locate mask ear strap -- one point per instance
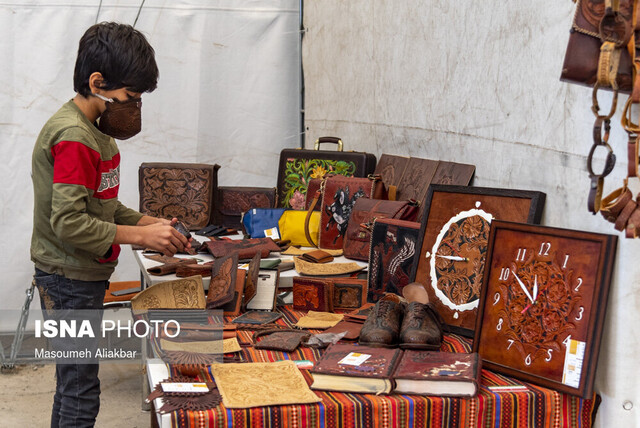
(103, 98)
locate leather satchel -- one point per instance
(365, 211)
(237, 200)
(337, 196)
(592, 25)
(184, 190)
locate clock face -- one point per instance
(542, 296)
(453, 242)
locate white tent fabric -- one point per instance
(228, 93)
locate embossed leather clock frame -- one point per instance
(453, 242)
(543, 304)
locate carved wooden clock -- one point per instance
(453, 238)
(543, 304)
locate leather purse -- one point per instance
(245, 248)
(187, 191)
(337, 195)
(365, 211)
(394, 245)
(234, 201)
(592, 25)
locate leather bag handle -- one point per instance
(332, 140)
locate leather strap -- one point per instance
(621, 221)
(307, 219)
(633, 224)
(597, 180)
(595, 194)
(613, 204)
(393, 192)
(608, 64)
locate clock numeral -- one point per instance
(566, 341)
(510, 343)
(521, 254)
(527, 360)
(579, 317)
(499, 326)
(504, 274)
(579, 284)
(544, 249)
(549, 351)
(496, 298)
(566, 259)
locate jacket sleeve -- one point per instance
(127, 216)
(75, 179)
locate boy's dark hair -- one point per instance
(121, 53)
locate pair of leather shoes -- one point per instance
(411, 325)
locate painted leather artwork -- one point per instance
(391, 256)
(453, 245)
(182, 190)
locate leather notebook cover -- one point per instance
(394, 245)
(380, 364)
(223, 281)
(312, 294)
(183, 190)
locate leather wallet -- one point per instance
(223, 281)
(312, 294)
(233, 308)
(317, 256)
(251, 281)
(257, 317)
(351, 328)
(279, 340)
(246, 248)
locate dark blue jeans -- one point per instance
(77, 398)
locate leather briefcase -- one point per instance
(298, 166)
(187, 191)
(394, 245)
(358, 237)
(583, 50)
(237, 200)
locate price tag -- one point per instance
(272, 233)
(354, 359)
(184, 387)
(573, 358)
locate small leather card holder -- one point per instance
(317, 256)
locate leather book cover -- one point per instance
(187, 191)
(438, 367)
(416, 178)
(237, 200)
(394, 245)
(312, 294)
(349, 359)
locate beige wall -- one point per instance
(477, 82)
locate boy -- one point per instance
(78, 220)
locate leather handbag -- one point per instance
(292, 227)
(337, 195)
(394, 245)
(234, 201)
(593, 24)
(257, 221)
(365, 211)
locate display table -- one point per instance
(525, 406)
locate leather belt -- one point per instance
(597, 180)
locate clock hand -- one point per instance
(535, 288)
(454, 258)
(524, 288)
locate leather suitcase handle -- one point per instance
(332, 140)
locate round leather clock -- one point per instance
(454, 234)
(543, 302)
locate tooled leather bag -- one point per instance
(337, 195)
(357, 240)
(593, 24)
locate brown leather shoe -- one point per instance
(382, 327)
(421, 327)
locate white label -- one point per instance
(184, 387)
(272, 233)
(573, 357)
(354, 359)
(244, 266)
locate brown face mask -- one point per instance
(121, 119)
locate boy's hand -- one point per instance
(164, 238)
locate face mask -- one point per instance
(121, 119)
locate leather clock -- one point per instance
(453, 245)
(543, 304)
